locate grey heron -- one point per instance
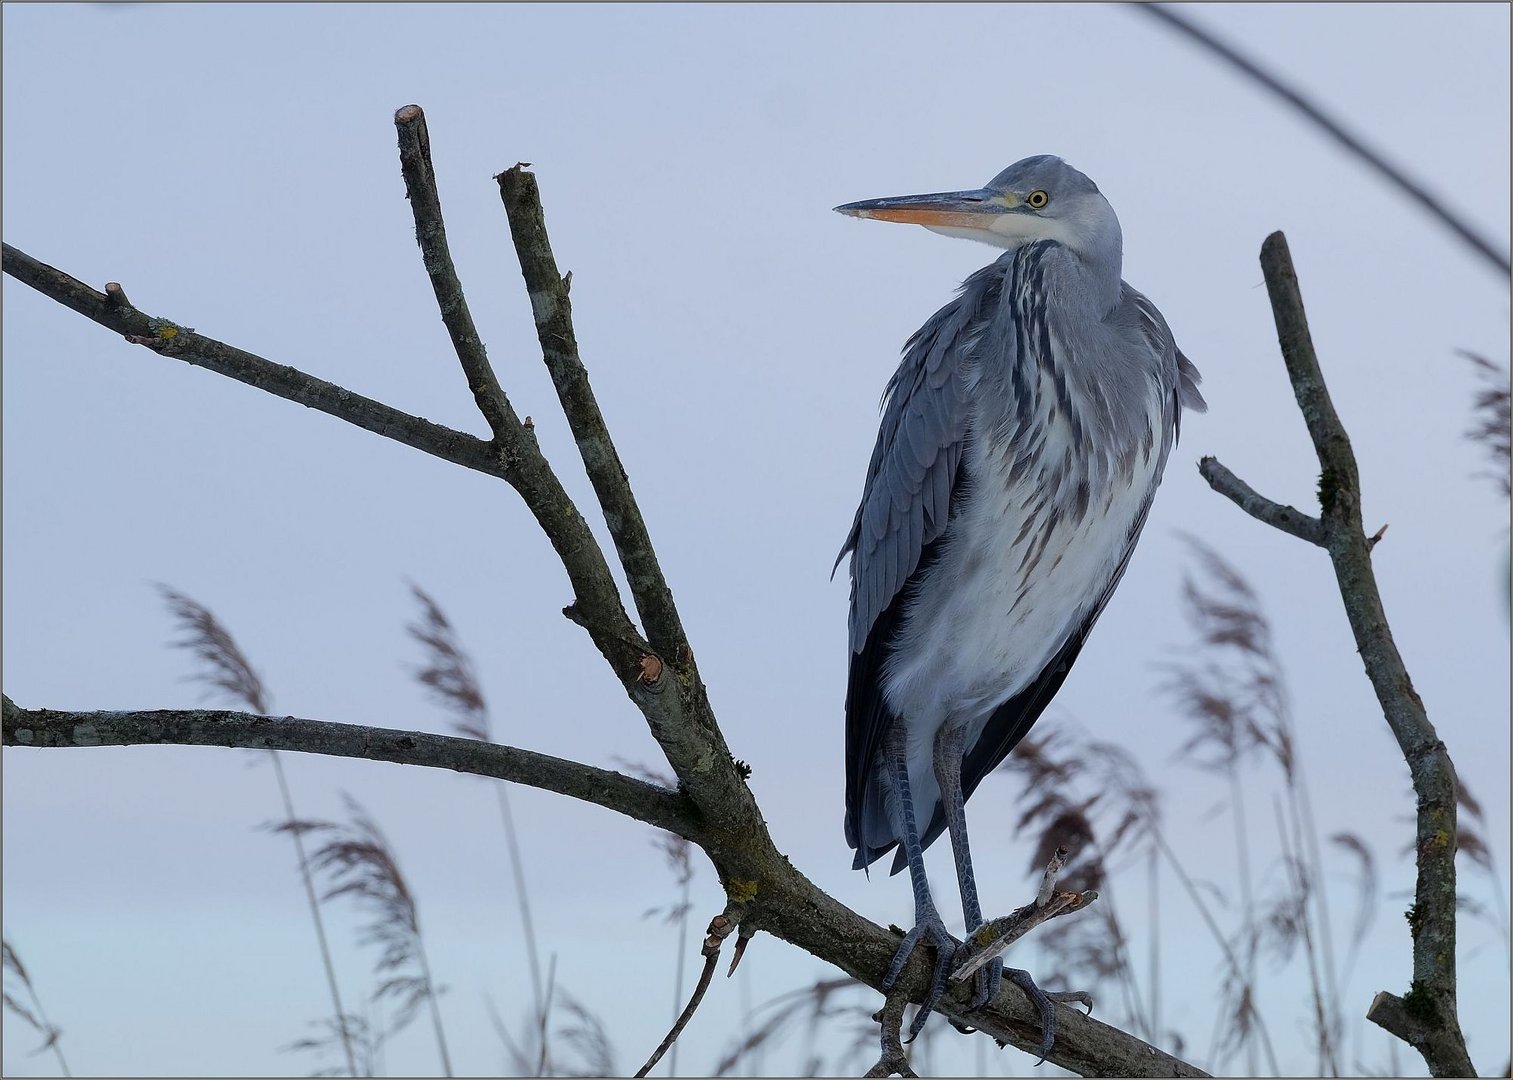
(1022, 439)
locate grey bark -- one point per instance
(1431, 1001)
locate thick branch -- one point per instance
(776, 897)
(431, 235)
(713, 807)
(553, 312)
(1436, 1033)
(1289, 519)
(626, 795)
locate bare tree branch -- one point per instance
(1431, 1001)
(776, 897)
(994, 936)
(1289, 519)
(431, 235)
(553, 312)
(696, 750)
(217, 727)
(111, 310)
(713, 806)
(719, 929)
(1334, 129)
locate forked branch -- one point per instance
(712, 807)
(1431, 1002)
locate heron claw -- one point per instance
(1045, 1004)
(930, 926)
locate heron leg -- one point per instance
(949, 748)
(928, 925)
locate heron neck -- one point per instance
(1082, 275)
(1101, 258)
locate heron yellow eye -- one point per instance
(1037, 200)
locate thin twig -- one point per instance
(719, 929)
(552, 308)
(180, 343)
(996, 935)
(1286, 518)
(1432, 997)
(431, 235)
(1336, 130)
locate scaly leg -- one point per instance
(927, 921)
(948, 753)
(947, 757)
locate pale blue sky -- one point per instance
(235, 168)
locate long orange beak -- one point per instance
(961, 209)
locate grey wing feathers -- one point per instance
(907, 496)
(906, 503)
(1188, 395)
(1160, 336)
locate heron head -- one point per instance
(1039, 198)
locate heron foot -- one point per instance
(1045, 1004)
(930, 927)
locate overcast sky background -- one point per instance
(235, 169)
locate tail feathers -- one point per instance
(875, 838)
(866, 856)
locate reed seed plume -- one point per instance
(1230, 683)
(1490, 418)
(448, 670)
(1368, 889)
(584, 1034)
(18, 982)
(359, 863)
(336, 1033)
(793, 1019)
(222, 666)
(1230, 687)
(1088, 796)
(224, 669)
(452, 682)
(1092, 799)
